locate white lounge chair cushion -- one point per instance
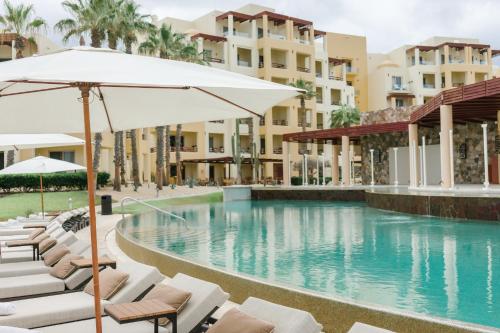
(205, 297)
(364, 328)
(79, 247)
(7, 309)
(141, 277)
(23, 268)
(16, 256)
(285, 319)
(29, 285)
(14, 231)
(51, 310)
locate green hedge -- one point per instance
(51, 182)
(297, 181)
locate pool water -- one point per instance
(439, 267)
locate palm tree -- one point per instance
(163, 42)
(307, 93)
(346, 116)
(21, 21)
(166, 179)
(253, 152)
(160, 162)
(178, 170)
(117, 161)
(87, 17)
(122, 159)
(135, 159)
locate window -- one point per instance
(396, 82)
(400, 103)
(442, 59)
(2, 161)
(67, 156)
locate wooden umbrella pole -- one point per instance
(41, 194)
(85, 89)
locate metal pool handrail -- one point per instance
(152, 207)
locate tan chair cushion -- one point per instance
(36, 232)
(41, 237)
(52, 256)
(110, 282)
(235, 321)
(63, 268)
(174, 297)
(46, 244)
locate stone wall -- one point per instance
(388, 115)
(467, 171)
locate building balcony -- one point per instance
(307, 124)
(214, 60)
(192, 149)
(319, 75)
(303, 69)
(278, 150)
(305, 151)
(302, 41)
(262, 121)
(336, 103)
(245, 150)
(319, 100)
(335, 78)
(277, 36)
(278, 65)
(398, 87)
(319, 126)
(216, 150)
(280, 122)
(244, 63)
(429, 86)
(262, 151)
(216, 121)
(352, 70)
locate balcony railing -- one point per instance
(184, 149)
(216, 150)
(336, 78)
(215, 60)
(457, 84)
(305, 151)
(261, 64)
(245, 150)
(319, 75)
(429, 86)
(303, 69)
(398, 87)
(262, 121)
(263, 151)
(319, 100)
(319, 126)
(336, 103)
(351, 69)
(277, 36)
(217, 121)
(278, 150)
(307, 124)
(280, 122)
(278, 65)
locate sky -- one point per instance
(387, 24)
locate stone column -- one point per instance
(335, 164)
(13, 54)
(346, 162)
(230, 25)
(417, 56)
(265, 28)
(413, 154)
(254, 29)
(286, 163)
(446, 120)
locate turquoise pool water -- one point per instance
(444, 268)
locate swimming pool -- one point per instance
(439, 267)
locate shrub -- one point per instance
(297, 181)
(51, 182)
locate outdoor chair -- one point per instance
(206, 298)
(63, 308)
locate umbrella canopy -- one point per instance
(86, 89)
(179, 92)
(40, 165)
(28, 141)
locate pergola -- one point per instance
(227, 160)
(478, 102)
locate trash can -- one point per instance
(106, 205)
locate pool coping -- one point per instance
(336, 314)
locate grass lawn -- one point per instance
(20, 204)
(137, 208)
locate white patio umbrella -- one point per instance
(28, 141)
(83, 89)
(40, 165)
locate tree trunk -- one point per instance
(116, 161)
(128, 45)
(97, 156)
(10, 157)
(135, 160)
(253, 152)
(112, 41)
(159, 156)
(237, 152)
(166, 180)
(304, 115)
(123, 154)
(178, 153)
(95, 38)
(82, 41)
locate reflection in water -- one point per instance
(425, 265)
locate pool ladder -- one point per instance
(152, 207)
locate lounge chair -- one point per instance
(37, 267)
(66, 238)
(57, 309)
(205, 298)
(285, 319)
(364, 328)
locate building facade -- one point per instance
(413, 74)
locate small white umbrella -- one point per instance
(116, 91)
(41, 165)
(28, 141)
